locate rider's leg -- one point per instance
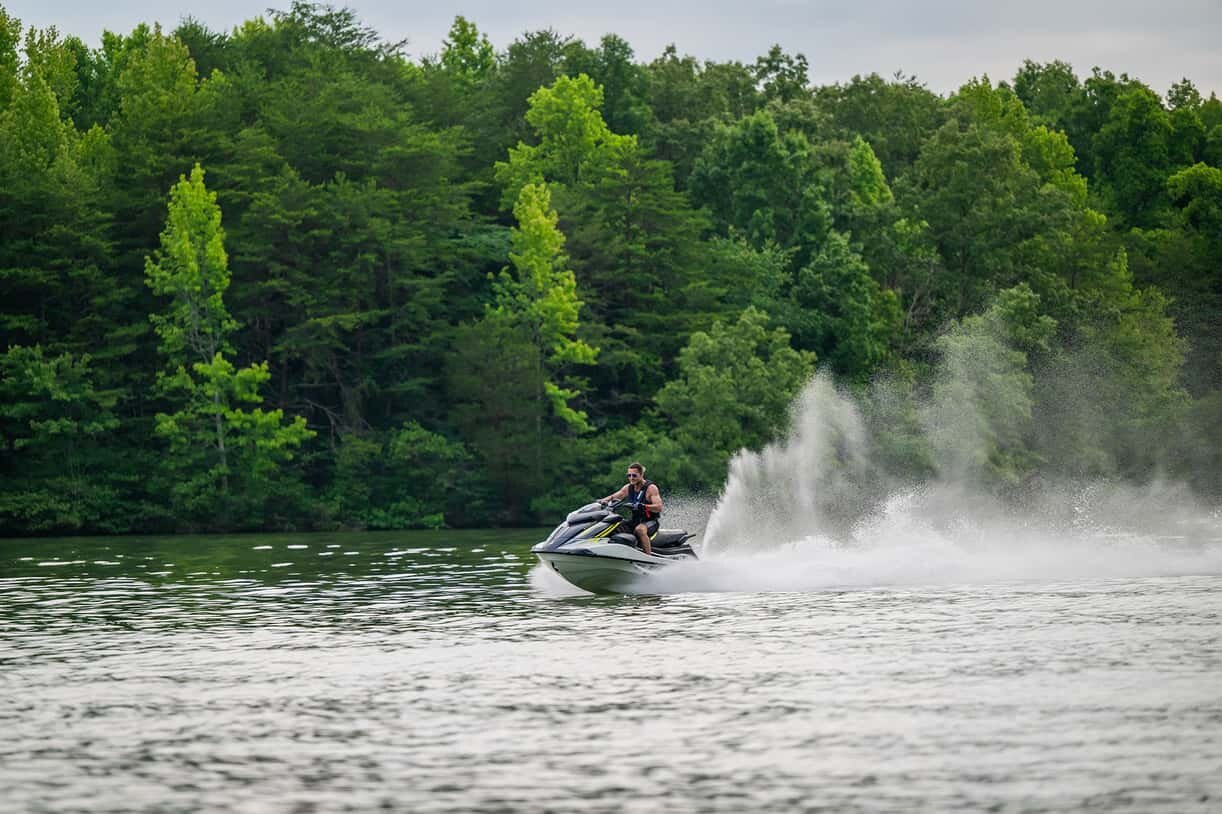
(642, 536)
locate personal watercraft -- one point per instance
(595, 551)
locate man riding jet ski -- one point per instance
(596, 550)
(646, 501)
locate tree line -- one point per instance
(287, 277)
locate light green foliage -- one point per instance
(734, 389)
(543, 292)
(10, 37)
(192, 269)
(1045, 151)
(226, 461)
(867, 185)
(575, 145)
(466, 53)
(542, 297)
(225, 458)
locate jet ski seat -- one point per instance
(668, 537)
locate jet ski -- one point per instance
(593, 551)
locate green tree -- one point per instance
(894, 116)
(10, 39)
(1184, 259)
(611, 68)
(408, 477)
(637, 254)
(688, 100)
(782, 76)
(979, 417)
(841, 313)
(765, 184)
(55, 247)
(224, 459)
(495, 388)
(542, 297)
(466, 54)
(868, 187)
(1109, 404)
(575, 144)
(734, 389)
(1051, 91)
(1132, 152)
(55, 423)
(1002, 205)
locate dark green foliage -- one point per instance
(841, 313)
(764, 183)
(1032, 268)
(55, 419)
(895, 117)
(734, 389)
(404, 478)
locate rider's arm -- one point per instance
(654, 496)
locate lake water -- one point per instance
(440, 672)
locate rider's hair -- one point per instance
(637, 467)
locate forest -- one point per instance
(287, 277)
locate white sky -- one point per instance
(943, 42)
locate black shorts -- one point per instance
(651, 526)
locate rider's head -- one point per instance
(636, 472)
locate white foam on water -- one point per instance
(813, 511)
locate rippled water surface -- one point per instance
(435, 672)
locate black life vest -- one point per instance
(641, 511)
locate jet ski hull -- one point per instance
(596, 573)
(590, 552)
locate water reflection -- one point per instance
(429, 672)
(316, 581)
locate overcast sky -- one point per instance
(942, 42)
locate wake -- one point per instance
(820, 509)
(899, 548)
